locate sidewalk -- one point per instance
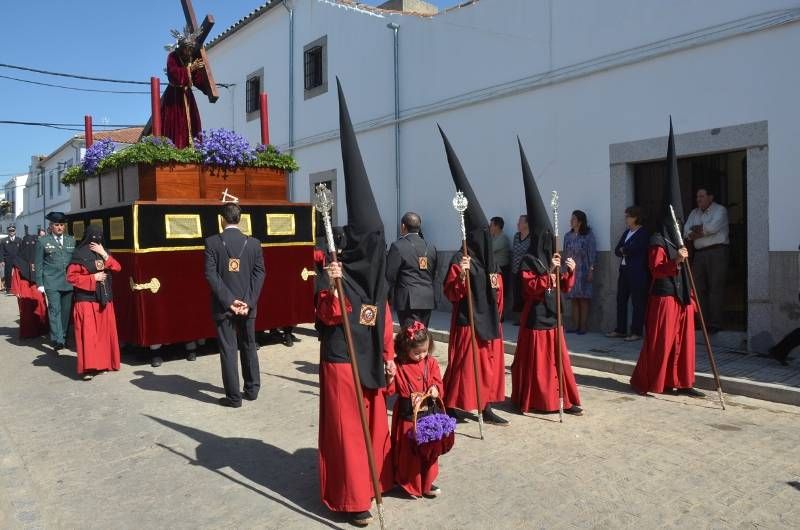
(741, 373)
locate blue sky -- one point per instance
(112, 39)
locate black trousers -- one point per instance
(631, 285)
(788, 343)
(710, 268)
(238, 334)
(406, 316)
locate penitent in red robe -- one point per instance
(95, 326)
(666, 360)
(459, 377)
(345, 482)
(180, 119)
(410, 472)
(32, 307)
(534, 373)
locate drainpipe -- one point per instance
(291, 92)
(395, 29)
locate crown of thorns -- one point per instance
(182, 38)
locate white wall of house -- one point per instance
(13, 191)
(43, 191)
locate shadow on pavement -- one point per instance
(293, 379)
(306, 367)
(604, 383)
(61, 364)
(176, 385)
(292, 476)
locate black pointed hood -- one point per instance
(363, 258)
(540, 250)
(479, 246)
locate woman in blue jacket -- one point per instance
(633, 275)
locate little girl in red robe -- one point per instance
(417, 373)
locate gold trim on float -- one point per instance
(305, 274)
(116, 228)
(75, 233)
(245, 225)
(182, 232)
(280, 224)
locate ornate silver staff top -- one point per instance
(460, 204)
(323, 202)
(678, 233)
(554, 206)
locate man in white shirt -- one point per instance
(707, 228)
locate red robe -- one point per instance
(410, 472)
(666, 360)
(180, 119)
(345, 482)
(459, 377)
(95, 326)
(32, 307)
(534, 372)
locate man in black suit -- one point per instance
(235, 272)
(9, 248)
(410, 270)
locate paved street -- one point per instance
(149, 448)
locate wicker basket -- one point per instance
(430, 410)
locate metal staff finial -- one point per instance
(554, 206)
(460, 203)
(323, 203)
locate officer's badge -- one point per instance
(233, 264)
(494, 280)
(368, 316)
(423, 263)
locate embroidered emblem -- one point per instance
(233, 264)
(368, 315)
(99, 264)
(423, 263)
(33, 267)
(494, 280)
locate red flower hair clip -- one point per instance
(413, 329)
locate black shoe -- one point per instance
(361, 518)
(191, 355)
(59, 346)
(575, 410)
(490, 417)
(691, 392)
(156, 361)
(434, 492)
(779, 356)
(288, 340)
(457, 415)
(248, 396)
(226, 402)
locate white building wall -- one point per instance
(566, 127)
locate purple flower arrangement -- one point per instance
(95, 154)
(223, 148)
(158, 141)
(432, 428)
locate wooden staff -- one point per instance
(559, 345)
(711, 360)
(460, 203)
(323, 203)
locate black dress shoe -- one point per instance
(59, 346)
(191, 355)
(490, 417)
(361, 518)
(691, 392)
(288, 340)
(156, 361)
(249, 397)
(575, 410)
(227, 402)
(457, 415)
(778, 355)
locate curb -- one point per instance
(734, 386)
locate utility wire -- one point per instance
(84, 77)
(61, 125)
(74, 88)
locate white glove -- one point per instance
(41, 289)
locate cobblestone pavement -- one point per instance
(150, 448)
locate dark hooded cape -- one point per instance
(25, 258)
(479, 248)
(540, 250)
(363, 259)
(668, 237)
(93, 262)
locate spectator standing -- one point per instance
(633, 276)
(501, 247)
(9, 248)
(707, 228)
(580, 245)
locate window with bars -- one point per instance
(315, 67)
(253, 89)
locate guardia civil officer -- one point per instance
(52, 255)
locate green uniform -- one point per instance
(51, 260)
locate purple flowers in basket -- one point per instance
(158, 141)
(95, 154)
(223, 148)
(433, 427)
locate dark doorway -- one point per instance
(726, 174)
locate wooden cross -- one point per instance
(199, 51)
